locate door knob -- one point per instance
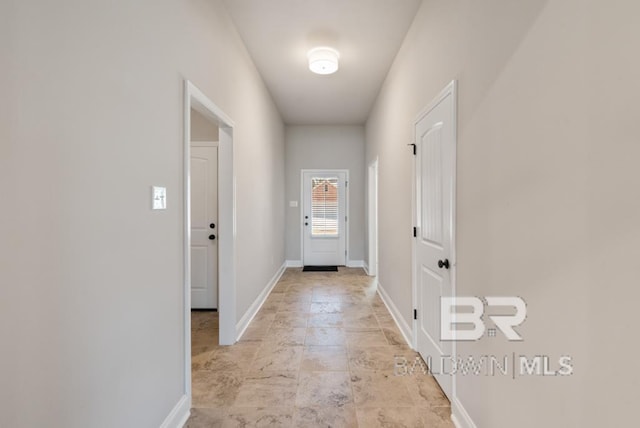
(443, 264)
(212, 237)
(306, 224)
(212, 225)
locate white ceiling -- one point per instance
(367, 33)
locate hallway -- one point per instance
(320, 353)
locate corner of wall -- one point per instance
(355, 263)
(179, 414)
(248, 316)
(405, 329)
(459, 415)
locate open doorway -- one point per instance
(372, 265)
(204, 216)
(218, 260)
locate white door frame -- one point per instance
(346, 208)
(372, 265)
(450, 89)
(197, 100)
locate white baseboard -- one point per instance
(406, 331)
(355, 263)
(179, 414)
(244, 322)
(350, 263)
(365, 266)
(459, 415)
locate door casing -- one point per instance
(196, 99)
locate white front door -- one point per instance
(324, 218)
(204, 228)
(435, 169)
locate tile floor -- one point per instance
(320, 353)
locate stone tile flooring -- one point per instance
(320, 353)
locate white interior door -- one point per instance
(204, 230)
(435, 169)
(324, 218)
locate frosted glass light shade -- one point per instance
(323, 60)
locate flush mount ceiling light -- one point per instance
(323, 60)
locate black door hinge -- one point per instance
(415, 314)
(414, 148)
(415, 232)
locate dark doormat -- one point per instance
(320, 269)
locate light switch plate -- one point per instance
(293, 204)
(158, 198)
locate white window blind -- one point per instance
(324, 206)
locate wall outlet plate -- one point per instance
(158, 198)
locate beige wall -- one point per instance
(202, 129)
(91, 312)
(547, 199)
(325, 147)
